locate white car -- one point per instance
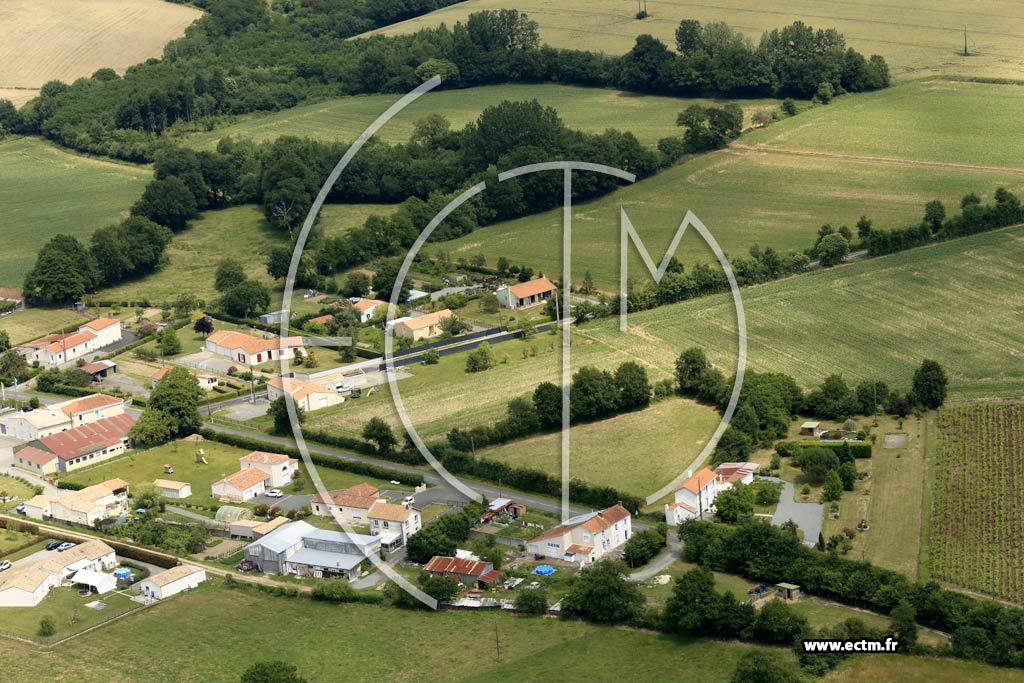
(5, 565)
(274, 493)
(408, 500)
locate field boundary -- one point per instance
(894, 161)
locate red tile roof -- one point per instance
(532, 288)
(84, 405)
(12, 294)
(71, 341)
(88, 438)
(599, 522)
(101, 323)
(34, 455)
(699, 481)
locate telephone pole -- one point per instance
(965, 41)
(497, 644)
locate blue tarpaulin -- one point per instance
(544, 570)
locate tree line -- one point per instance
(768, 400)
(238, 59)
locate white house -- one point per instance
(173, 581)
(693, 498)
(58, 349)
(241, 486)
(368, 308)
(307, 395)
(75, 448)
(97, 502)
(394, 524)
(25, 587)
(248, 350)
(585, 538)
(352, 505)
(277, 469)
(59, 417)
(526, 294)
(82, 564)
(173, 489)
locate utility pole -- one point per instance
(965, 40)
(497, 644)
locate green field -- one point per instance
(637, 452)
(45, 191)
(68, 611)
(213, 634)
(240, 232)
(142, 467)
(591, 110)
(32, 323)
(958, 303)
(776, 186)
(916, 37)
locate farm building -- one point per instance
(303, 550)
(503, 508)
(75, 448)
(173, 489)
(59, 417)
(249, 350)
(272, 318)
(353, 504)
(810, 429)
(693, 498)
(307, 395)
(99, 369)
(787, 591)
(93, 503)
(173, 581)
(585, 538)
(423, 327)
(278, 469)
(526, 294)
(15, 297)
(473, 573)
(58, 349)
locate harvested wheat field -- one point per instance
(68, 39)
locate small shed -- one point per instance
(810, 429)
(99, 369)
(271, 318)
(787, 591)
(173, 489)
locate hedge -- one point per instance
(860, 450)
(70, 485)
(330, 462)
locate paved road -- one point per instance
(806, 515)
(661, 562)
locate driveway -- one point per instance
(662, 560)
(806, 515)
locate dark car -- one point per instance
(52, 545)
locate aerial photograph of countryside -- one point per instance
(465, 341)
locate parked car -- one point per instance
(274, 493)
(20, 509)
(408, 500)
(5, 565)
(52, 545)
(65, 546)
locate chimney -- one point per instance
(689, 473)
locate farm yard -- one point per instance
(867, 320)
(591, 110)
(67, 39)
(977, 516)
(45, 191)
(916, 37)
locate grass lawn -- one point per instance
(15, 489)
(915, 37)
(591, 110)
(239, 232)
(958, 303)
(68, 611)
(45, 191)
(32, 323)
(142, 467)
(12, 541)
(637, 452)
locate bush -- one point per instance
(47, 627)
(333, 590)
(533, 601)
